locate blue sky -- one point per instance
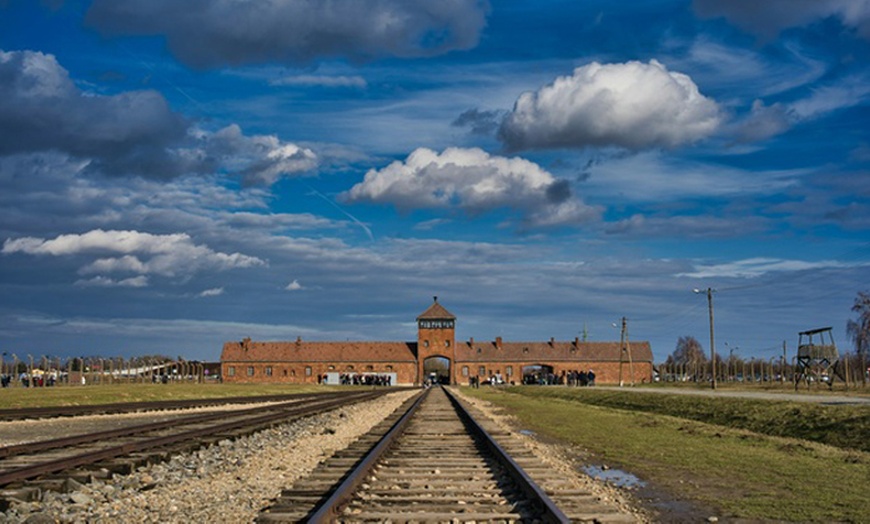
(176, 175)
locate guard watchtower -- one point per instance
(436, 338)
(817, 361)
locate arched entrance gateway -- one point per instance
(436, 370)
(435, 342)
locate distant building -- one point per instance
(435, 355)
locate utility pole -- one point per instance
(709, 292)
(625, 351)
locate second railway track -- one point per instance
(26, 469)
(434, 462)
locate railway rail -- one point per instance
(435, 460)
(26, 469)
(132, 407)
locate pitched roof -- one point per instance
(436, 312)
(474, 351)
(303, 351)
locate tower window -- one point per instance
(447, 343)
(425, 343)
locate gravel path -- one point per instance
(818, 398)
(228, 482)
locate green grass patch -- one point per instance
(743, 473)
(109, 394)
(844, 426)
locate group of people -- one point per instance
(346, 379)
(570, 378)
(26, 380)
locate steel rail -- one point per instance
(126, 407)
(44, 445)
(52, 466)
(330, 508)
(551, 512)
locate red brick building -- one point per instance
(436, 351)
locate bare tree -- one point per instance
(859, 330)
(688, 351)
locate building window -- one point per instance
(331, 368)
(268, 371)
(285, 372)
(292, 372)
(370, 368)
(250, 371)
(525, 350)
(349, 368)
(231, 371)
(425, 343)
(481, 371)
(307, 371)
(464, 371)
(478, 351)
(447, 343)
(509, 370)
(389, 368)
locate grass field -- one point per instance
(696, 449)
(107, 394)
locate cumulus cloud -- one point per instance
(140, 253)
(768, 18)
(205, 33)
(632, 105)
(133, 133)
(476, 182)
(293, 286)
(259, 159)
(213, 292)
(41, 109)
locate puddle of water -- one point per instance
(616, 477)
(527, 432)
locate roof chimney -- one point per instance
(298, 341)
(471, 341)
(435, 298)
(576, 341)
(552, 341)
(498, 342)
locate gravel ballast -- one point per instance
(227, 482)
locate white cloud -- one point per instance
(656, 177)
(294, 286)
(170, 255)
(756, 267)
(631, 105)
(258, 159)
(474, 181)
(101, 281)
(213, 292)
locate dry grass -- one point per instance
(745, 474)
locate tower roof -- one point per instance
(436, 312)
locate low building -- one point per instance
(435, 355)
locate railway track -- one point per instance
(434, 460)
(27, 469)
(132, 407)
